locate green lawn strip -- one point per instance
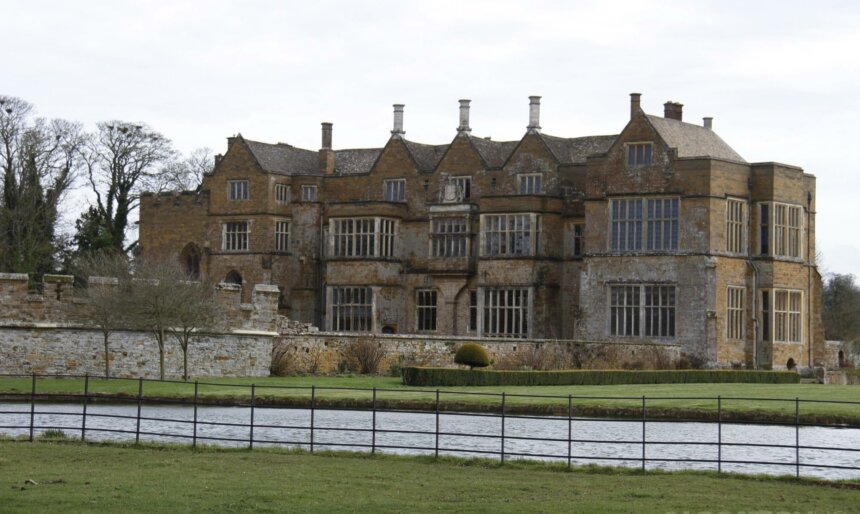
(76, 477)
(679, 400)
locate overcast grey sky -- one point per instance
(781, 79)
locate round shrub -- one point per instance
(472, 355)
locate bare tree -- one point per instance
(39, 161)
(155, 300)
(196, 310)
(108, 290)
(186, 174)
(123, 160)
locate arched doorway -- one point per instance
(233, 278)
(791, 365)
(841, 359)
(189, 258)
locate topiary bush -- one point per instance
(472, 355)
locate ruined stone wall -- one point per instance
(79, 351)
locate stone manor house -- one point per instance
(659, 234)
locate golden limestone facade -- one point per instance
(660, 234)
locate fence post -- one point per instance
(797, 437)
(643, 433)
(84, 417)
(32, 407)
(194, 440)
(569, 427)
(313, 406)
(503, 427)
(139, 404)
(719, 434)
(373, 429)
(251, 431)
(437, 424)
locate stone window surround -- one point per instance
(238, 190)
(631, 150)
(335, 324)
(530, 183)
(426, 313)
(769, 315)
(282, 237)
(247, 232)
(309, 192)
(533, 235)
(394, 190)
(528, 316)
(642, 309)
(282, 193)
(379, 242)
(772, 233)
(736, 322)
(441, 241)
(737, 244)
(645, 221)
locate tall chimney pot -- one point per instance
(398, 121)
(708, 122)
(464, 117)
(326, 136)
(635, 107)
(673, 111)
(534, 114)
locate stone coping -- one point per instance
(62, 326)
(442, 339)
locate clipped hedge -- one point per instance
(437, 377)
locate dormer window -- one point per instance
(531, 183)
(237, 189)
(639, 154)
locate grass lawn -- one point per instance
(74, 477)
(695, 400)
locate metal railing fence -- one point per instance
(432, 407)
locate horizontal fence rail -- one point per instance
(494, 433)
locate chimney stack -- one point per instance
(398, 121)
(464, 117)
(534, 114)
(326, 154)
(635, 104)
(708, 122)
(673, 111)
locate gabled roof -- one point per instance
(576, 149)
(286, 159)
(693, 140)
(494, 153)
(426, 157)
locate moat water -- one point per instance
(612, 443)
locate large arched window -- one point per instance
(233, 278)
(190, 261)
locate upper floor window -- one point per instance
(781, 226)
(282, 193)
(449, 237)
(509, 234)
(425, 310)
(579, 240)
(362, 237)
(282, 236)
(639, 154)
(309, 193)
(531, 183)
(235, 236)
(736, 226)
(237, 189)
(657, 217)
(464, 186)
(394, 190)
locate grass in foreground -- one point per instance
(74, 477)
(690, 394)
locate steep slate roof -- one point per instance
(288, 160)
(693, 140)
(575, 150)
(285, 159)
(427, 157)
(494, 153)
(355, 161)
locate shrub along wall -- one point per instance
(436, 377)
